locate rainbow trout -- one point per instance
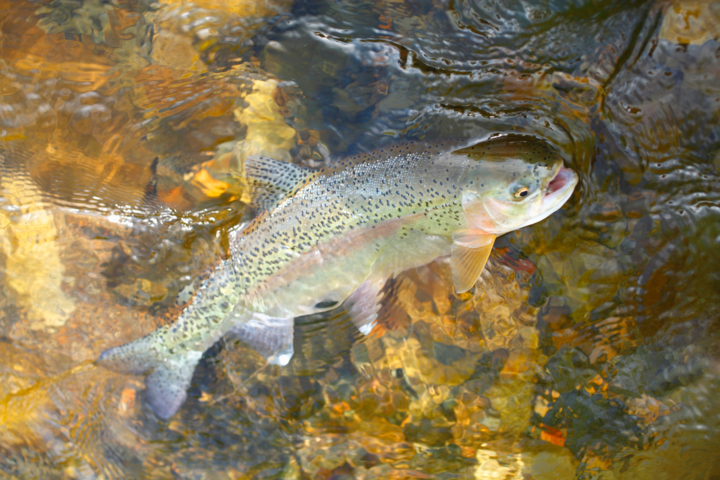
(334, 236)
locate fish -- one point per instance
(334, 236)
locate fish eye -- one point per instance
(521, 192)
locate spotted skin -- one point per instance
(321, 235)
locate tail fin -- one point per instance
(170, 372)
(166, 387)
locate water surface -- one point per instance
(587, 350)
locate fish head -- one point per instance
(511, 182)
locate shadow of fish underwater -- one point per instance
(334, 236)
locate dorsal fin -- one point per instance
(272, 181)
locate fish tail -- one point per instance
(168, 373)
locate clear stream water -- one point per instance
(587, 350)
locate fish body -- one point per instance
(334, 236)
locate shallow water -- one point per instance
(587, 350)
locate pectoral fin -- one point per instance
(468, 258)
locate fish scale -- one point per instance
(321, 235)
(328, 207)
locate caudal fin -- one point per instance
(166, 387)
(169, 374)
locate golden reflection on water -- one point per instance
(586, 349)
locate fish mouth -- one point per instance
(564, 181)
(557, 192)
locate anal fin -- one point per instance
(272, 337)
(363, 305)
